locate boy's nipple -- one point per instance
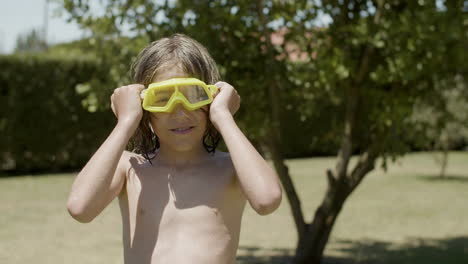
(141, 211)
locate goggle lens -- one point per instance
(162, 96)
(194, 93)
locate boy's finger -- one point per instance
(137, 85)
(113, 109)
(220, 85)
(217, 93)
(143, 93)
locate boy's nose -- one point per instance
(180, 110)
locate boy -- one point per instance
(180, 201)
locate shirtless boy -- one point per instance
(180, 201)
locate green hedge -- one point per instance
(43, 125)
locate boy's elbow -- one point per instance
(270, 204)
(78, 213)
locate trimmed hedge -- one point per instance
(45, 128)
(43, 125)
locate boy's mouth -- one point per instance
(183, 130)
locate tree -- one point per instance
(443, 126)
(355, 86)
(33, 41)
(383, 57)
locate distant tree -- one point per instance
(2, 44)
(33, 41)
(443, 126)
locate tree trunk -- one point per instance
(444, 162)
(312, 244)
(288, 186)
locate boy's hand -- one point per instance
(126, 104)
(226, 101)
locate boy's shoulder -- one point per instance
(223, 162)
(222, 159)
(129, 158)
(222, 155)
(127, 155)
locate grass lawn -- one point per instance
(407, 215)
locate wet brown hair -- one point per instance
(176, 50)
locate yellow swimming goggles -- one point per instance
(163, 96)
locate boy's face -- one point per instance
(181, 129)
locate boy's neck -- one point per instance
(179, 159)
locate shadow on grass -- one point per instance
(257, 255)
(13, 174)
(446, 178)
(413, 251)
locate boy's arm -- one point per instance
(256, 178)
(103, 177)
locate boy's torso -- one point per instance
(190, 215)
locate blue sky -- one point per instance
(21, 16)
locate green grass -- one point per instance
(406, 215)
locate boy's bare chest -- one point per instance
(164, 210)
(171, 195)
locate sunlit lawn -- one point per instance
(406, 215)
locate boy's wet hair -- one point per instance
(176, 50)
